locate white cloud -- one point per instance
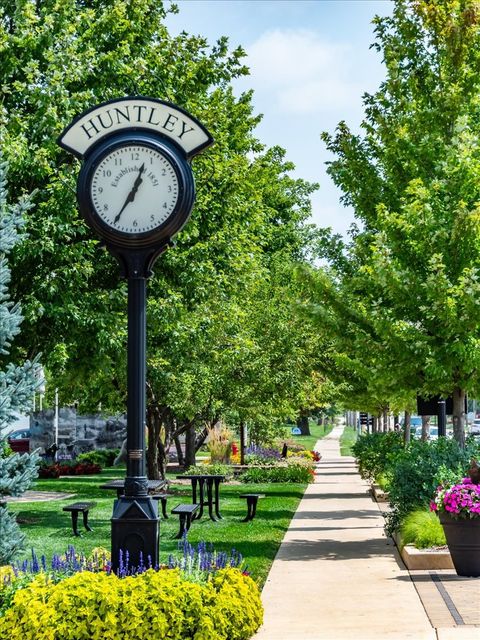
(301, 72)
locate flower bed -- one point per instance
(203, 596)
(292, 469)
(72, 469)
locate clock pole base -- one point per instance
(135, 533)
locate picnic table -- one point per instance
(153, 486)
(208, 486)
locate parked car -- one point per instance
(432, 433)
(475, 427)
(19, 440)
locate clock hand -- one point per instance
(131, 195)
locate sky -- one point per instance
(310, 63)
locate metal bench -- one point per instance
(252, 499)
(186, 513)
(75, 509)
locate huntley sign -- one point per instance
(112, 117)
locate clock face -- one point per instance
(134, 188)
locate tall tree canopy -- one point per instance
(411, 274)
(60, 57)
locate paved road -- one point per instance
(336, 576)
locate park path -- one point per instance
(336, 576)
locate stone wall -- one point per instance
(76, 433)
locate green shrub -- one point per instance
(102, 457)
(216, 469)
(154, 604)
(298, 470)
(422, 529)
(414, 475)
(376, 452)
(383, 480)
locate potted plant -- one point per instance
(458, 507)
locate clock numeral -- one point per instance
(164, 172)
(135, 223)
(118, 162)
(107, 173)
(100, 189)
(169, 188)
(152, 218)
(105, 207)
(165, 205)
(135, 156)
(151, 160)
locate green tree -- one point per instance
(17, 382)
(60, 57)
(412, 176)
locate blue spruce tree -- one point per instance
(17, 382)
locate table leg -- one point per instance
(217, 499)
(164, 508)
(201, 485)
(85, 521)
(210, 498)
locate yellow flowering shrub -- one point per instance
(309, 455)
(155, 605)
(6, 575)
(98, 554)
(237, 608)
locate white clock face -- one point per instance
(134, 189)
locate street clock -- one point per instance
(135, 189)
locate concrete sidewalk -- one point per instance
(336, 576)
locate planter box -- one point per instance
(429, 559)
(378, 493)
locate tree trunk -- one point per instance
(374, 424)
(153, 426)
(459, 416)
(406, 428)
(302, 424)
(162, 458)
(178, 447)
(200, 438)
(242, 442)
(190, 446)
(396, 422)
(425, 427)
(385, 420)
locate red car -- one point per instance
(19, 441)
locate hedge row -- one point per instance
(412, 472)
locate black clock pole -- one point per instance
(136, 481)
(135, 521)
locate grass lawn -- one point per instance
(347, 440)
(317, 433)
(49, 530)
